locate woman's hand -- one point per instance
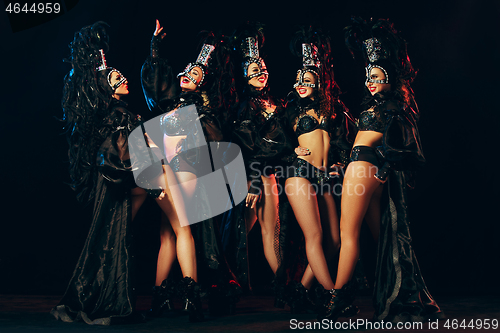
(159, 29)
(381, 181)
(162, 194)
(336, 169)
(301, 151)
(252, 200)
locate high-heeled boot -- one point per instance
(279, 289)
(336, 302)
(191, 299)
(298, 298)
(161, 302)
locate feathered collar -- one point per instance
(380, 98)
(118, 102)
(191, 97)
(304, 104)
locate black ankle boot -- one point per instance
(337, 301)
(191, 299)
(279, 289)
(298, 298)
(161, 302)
(222, 298)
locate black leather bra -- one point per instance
(307, 123)
(371, 121)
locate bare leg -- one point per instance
(308, 278)
(302, 198)
(250, 216)
(359, 186)
(167, 253)
(185, 247)
(331, 233)
(372, 216)
(267, 214)
(138, 197)
(330, 223)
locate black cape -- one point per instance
(101, 290)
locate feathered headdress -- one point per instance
(202, 62)
(381, 46)
(313, 46)
(248, 41)
(86, 97)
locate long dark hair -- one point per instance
(220, 86)
(85, 102)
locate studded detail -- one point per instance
(301, 83)
(201, 62)
(368, 70)
(374, 50)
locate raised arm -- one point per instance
(158, 81)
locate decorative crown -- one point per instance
(251, 49)
(310, 55)
(374, 50)
(103, 61)
(205, 54)
(202, 60)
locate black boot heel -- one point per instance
(191, 299)
(279, 288)
(337, 300)
(299, 300)
(161, 302)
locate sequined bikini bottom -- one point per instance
(303, 169)
(179, 164)
(365, 153)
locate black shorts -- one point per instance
(179, 164)
(303, 169)
(366, 154)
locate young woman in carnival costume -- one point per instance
(205, 84)
(98, 125)
(258, 128)
(324, 131)
(386, 151)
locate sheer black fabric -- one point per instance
(400, 293)
(266, 143)
(401, 148)
(265, 139)
(101, 290)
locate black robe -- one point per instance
(101, 290)
(400, 293)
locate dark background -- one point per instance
(454, 44)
